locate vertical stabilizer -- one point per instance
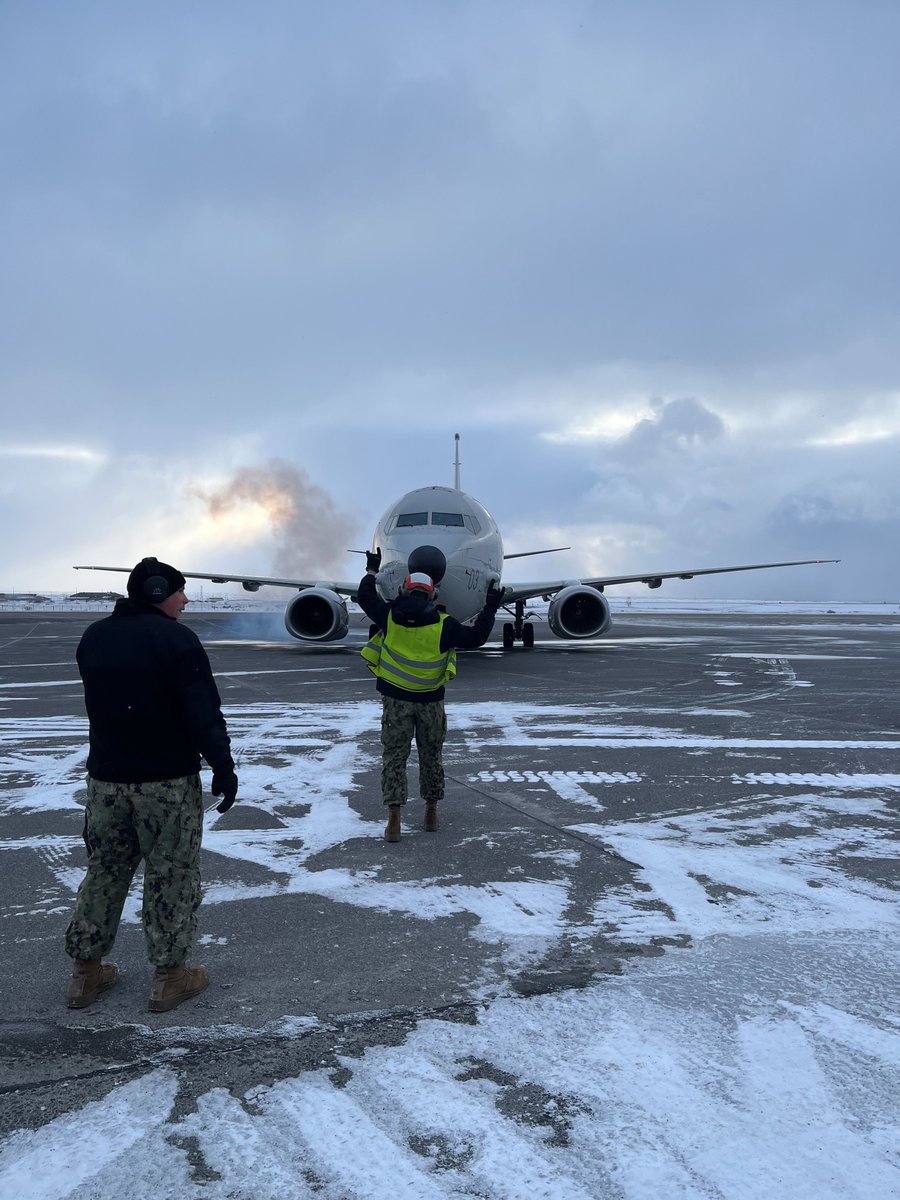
(456, 463)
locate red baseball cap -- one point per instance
(418, 581)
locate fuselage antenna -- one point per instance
(456, 463)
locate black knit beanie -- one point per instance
(154, 581)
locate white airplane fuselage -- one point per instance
(449, 536)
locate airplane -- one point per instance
(454, 539)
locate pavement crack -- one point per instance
(533, 812)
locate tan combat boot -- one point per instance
(431, 817)
(173, 985)
(392, 829)
(90, 977)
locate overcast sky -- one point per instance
(643, 258)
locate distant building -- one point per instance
(96, 597)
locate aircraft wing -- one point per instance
(653, 579)
(251, 583)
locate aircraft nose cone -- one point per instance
(429, 559)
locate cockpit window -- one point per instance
(454, 520)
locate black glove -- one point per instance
(494, 597)
(373, 560)
(225, 784)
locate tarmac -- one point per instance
(664, 716)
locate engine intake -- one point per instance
(578, 611)
(317, 614)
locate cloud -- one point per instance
(642, 259)
(676, 425)
(878, 421)
(71, 454)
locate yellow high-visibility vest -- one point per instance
(410, 656)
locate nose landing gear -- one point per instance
(518, 630)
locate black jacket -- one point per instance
(151, 699)
(417, 609)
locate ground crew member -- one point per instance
(153, 709)
(412, 654)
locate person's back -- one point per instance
(153, 709)
(412, 656)
(150, 696)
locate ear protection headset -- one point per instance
(155, 588)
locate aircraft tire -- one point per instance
(527, 635)
(509, 635)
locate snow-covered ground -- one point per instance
(756, 1058)
(674, 1081)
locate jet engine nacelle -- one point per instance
(317, 614)
(578, 611)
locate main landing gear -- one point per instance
(518, 630)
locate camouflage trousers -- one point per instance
(401, 720)
(161, 823)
